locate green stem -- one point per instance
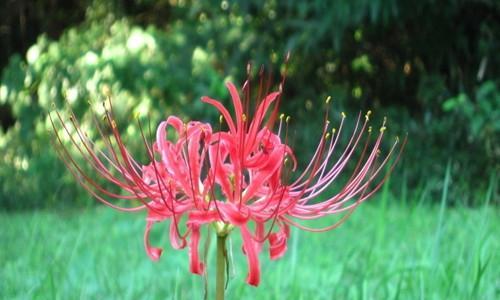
(220, 279)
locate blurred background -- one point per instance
(432, 67)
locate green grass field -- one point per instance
(382, 252)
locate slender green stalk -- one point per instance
(220, 279)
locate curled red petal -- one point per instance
(260, 114)
(278, 242)
(275, 161)
(176, 240)
(253, 277)
(222, 110)
(195, 265)
(238, 109)
(153, 252)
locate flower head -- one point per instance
(240, 179)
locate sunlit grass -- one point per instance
(384, 251)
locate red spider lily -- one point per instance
(235, 179)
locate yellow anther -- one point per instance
(287, 119)
(369, 129)
(285, 160)
(282, 116)
(383, 128)
(328, 99)
(334, 130)
(327, 135)
(327, 122)
(343, 114)
(397, 139)
(220, 119)
(244, 117)
(367, 116)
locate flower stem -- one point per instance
(220, 267)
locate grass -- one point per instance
(384, 251)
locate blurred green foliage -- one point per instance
(432, 69)
(138, 66)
